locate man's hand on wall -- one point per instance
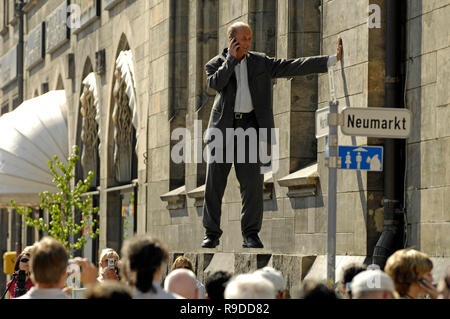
(339, 49)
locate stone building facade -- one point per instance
(133, 71)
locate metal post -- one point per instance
(332, 188)
(332, 179)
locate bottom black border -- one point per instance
(236, 308)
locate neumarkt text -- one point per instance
(394, 124)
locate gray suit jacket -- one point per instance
(261, 69)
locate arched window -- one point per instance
(122, 158)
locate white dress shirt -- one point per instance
(45, 293)
(243, 102)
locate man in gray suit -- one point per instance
(243, 83)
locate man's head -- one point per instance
(215, 284)
(372, 284)
(242, 32)
(349, 273)
(49, 260)
(182, 282)
(109, 290)
(249, 286)
(276, 278)
(315, 289)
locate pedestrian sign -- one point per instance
(369, 158)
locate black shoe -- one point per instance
(252, 241)
(210, 242)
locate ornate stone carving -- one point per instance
(89, 131)
(122, 130)
(124, 117)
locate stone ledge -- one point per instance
(293, 267)
(268, 189)
(110, 4)
(176, 198)
(198, 194)
(302, 183)
(318, 270)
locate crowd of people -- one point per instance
(138, 274)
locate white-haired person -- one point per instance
(276, 278)
(372, 284)
(108, 265)
(182, 282)
(249, 286)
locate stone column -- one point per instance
(178, 79)
(203, 46)
(295, 100)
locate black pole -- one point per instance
(393, 183)
(14, 277)
(19, 11)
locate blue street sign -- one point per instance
(369, 158)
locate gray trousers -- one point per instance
(251, 186)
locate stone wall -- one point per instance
(428, 98)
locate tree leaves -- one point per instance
(63, 205)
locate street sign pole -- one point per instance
(332, 189)
(332, 181)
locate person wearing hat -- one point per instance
(372, 284)
(276, 278)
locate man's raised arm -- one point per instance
(302, 66)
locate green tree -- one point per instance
(61, 206)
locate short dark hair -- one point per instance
(351, 271)
(215, 284)
(312, 289)
(143, 255)
(109, 289)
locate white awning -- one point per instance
(29, 137)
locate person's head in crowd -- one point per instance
(313, 289)
(182, 262)
(444, 285)
(349, 273)
(249, 286)
(410, 270)
(183, 283)
(49, 259)
(142, 259)
(106, 272)
(372, 284)
(215, 285)
(109, 289)
(277, 280)
(22, 264)
(23, 260)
